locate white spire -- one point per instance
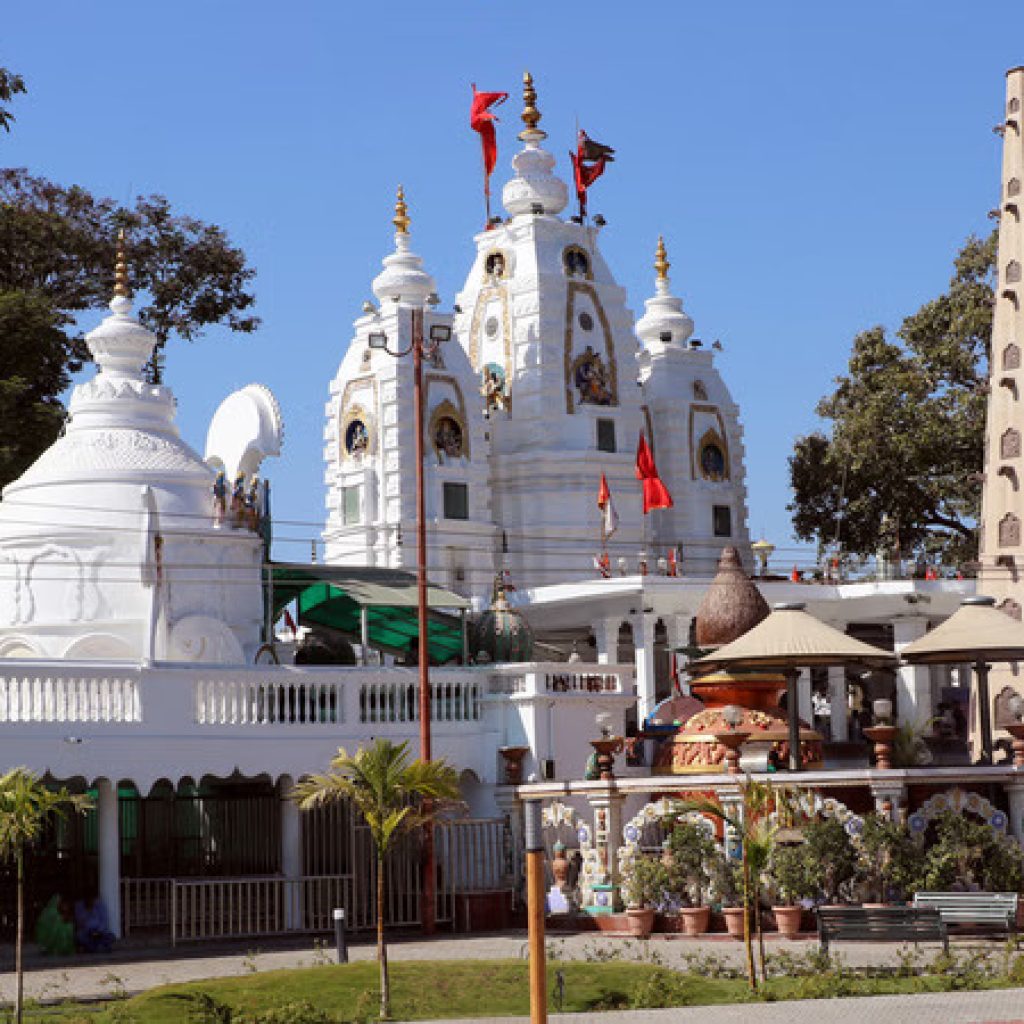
(403, 278)
(534, 189)
(664, 321)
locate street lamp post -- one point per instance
(439, 333)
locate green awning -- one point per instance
(335, 596)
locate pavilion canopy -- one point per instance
(791, 638)
(336, 596)
(976, 631)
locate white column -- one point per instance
(606, 635)
(677, 634)
(109, 849)
(913, 682)
(291, 852)
(804, 704)
(643, 643)
(839, 704)
(1015, 792)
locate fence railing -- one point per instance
(45, 697)
(450, 701)
(559, 678)
(268, 702)
(145, 904)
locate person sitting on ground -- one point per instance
(92, 926)
(55, 933)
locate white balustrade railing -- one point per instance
(268, 701)
(561, 677)
(451, 700)
(61, 695)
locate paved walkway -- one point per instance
(136, 970)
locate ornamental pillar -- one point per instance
(607, 808)
(643, 645)
(291, 853)
(804, 699)
(890, 800)
(109, 851)
(606, 635)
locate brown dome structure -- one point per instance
(732, 605)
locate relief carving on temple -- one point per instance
(1011, 357)
(1012, 272)
(591, 379)
(1009, 531)
(1013, 187)
(1009, 444)
(1011, 608)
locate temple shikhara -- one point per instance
(600, 632)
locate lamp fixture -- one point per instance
(600, 221)
(882, 709)
(732, 715)
(440, 333)
(1016, 706)
(378, 340)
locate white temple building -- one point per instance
(138, 653)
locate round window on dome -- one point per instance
(586, 321)
(712, 461)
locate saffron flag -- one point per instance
(588, 164)
(602, 563)
(609, 517)
(481, 120)
(673, 565)
(289, 623)
(655, 492)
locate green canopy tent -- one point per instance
(377, 606)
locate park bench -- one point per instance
(881, 924)
(991, 911)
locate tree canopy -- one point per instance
(57, 248)
(899, 466)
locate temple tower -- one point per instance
(1001, 572)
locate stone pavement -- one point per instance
(135, 970)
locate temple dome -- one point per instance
(732, 605)
(501, 634)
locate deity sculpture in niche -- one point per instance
(494, 265)
(357, 438)
(1009, 444)
(448, 438)
(700, 391)
(493, 389)
(592, 380)
(1011, 357)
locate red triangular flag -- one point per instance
(482, 120)
(655, 492)
(289, 623)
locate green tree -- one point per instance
(391, 792)
(898, 466)
(57, 248)
(10, 85)
(26, 804)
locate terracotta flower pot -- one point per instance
(733, 921)
(640, 921)
(695, 919)
(787, 920)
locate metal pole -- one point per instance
(364, 633)
(535, 912)
(465, 636)
(793, 717)
(428, 913)
(984, 712)
(340, 939)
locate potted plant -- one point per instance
(689, 851)
(643, 885)
(830, 859)
(788, 871)
(727, 886)
(887, 860)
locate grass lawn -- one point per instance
(468, 988)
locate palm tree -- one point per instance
(26, 804)
(394, 794)
(755, 826)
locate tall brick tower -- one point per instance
(1001, 573)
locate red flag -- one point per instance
(655, 492)
(482, 120)
(673, 565)
(289, 623)
(602, 563)
(588, 164)
(609, 517)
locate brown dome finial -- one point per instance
(732, 605)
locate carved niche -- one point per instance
(1012, 272)
(1010, 607)
(1011, 357)
(1013, 106)
(1013, 187)
(700, 391)
(1009, 531)
(1009, 444)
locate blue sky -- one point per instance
(813, 166)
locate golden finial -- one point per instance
(661, 263)
(121, 288)
(531, 115)
(401, 218)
